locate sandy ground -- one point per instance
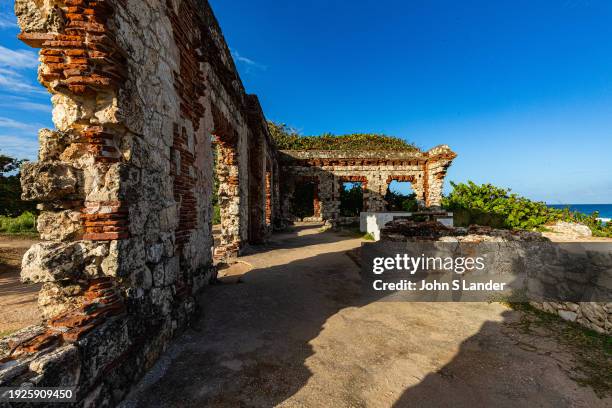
(18, 306)
(287, 328)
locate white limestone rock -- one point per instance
(572, 229)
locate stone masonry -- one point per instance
(374, 169)
(148, 109)
(145, 96)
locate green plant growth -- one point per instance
(500, 208)
(10, 188)
(287, 138)
(401, 202)
(5, 333)
(351, 200)
(368, 237)
(24, 223)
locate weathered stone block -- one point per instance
(48, 181)
(58, 297)
(51, 144)
(59, 368)
(54, 261)
(59, 226)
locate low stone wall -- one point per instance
(594, 315)
(552, 266)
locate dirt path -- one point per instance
(18, 307)
(292, 332)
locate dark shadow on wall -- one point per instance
(252, 344)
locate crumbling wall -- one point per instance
(140, 92)
(374, 169)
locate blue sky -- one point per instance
(521, 90)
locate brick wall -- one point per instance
(142, 93)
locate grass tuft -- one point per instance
(25, 223)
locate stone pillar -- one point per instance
(229, 201)
(377, 189)
(438, 161)
(327, 195)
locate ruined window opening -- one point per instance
(351, 199)
(400, 196)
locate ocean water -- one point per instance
(605, 210)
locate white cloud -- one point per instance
(34, 106)
(6, 22)
(12, 63)
(8, 123)
(13, 81)
(17, 58)
(19, 147)
(247, 61)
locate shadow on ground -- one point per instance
(295, 332)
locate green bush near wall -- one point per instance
(10, 188)
(497, 207)
(24, 223)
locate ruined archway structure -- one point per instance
(144, 94)
(374, 169)
(143, 91)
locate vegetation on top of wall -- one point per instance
(499, 208)
(287, 138)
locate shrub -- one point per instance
(10, 188)
(400, 202)
(26, 222)
(499, 208)
(351, 200)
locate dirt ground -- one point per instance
(287, 328)
(18, 307)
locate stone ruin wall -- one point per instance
(143, 92)
(374, 169)
(596, 316)
(548, 267)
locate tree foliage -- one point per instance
(500, 208)
(351, 200)
(401, 202)
(287, 138)
(10, 188)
